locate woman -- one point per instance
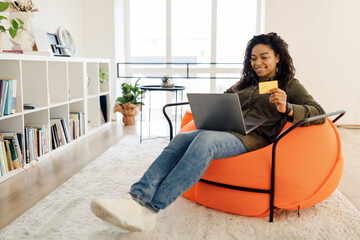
(183, 162)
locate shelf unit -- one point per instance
(57, 86)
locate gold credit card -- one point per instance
(264, 87)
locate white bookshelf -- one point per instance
(56, 86)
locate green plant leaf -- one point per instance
(131, 93)
(12, 32)
(2, 18)
(20, 21)
(3, 6)
(136, 83)
(2, 29)
(14, 24)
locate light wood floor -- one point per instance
(349, 185)
(25, 189)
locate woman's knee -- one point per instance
(207, 137)
(187, 136)
(183, 139)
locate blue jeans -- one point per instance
(181, 164)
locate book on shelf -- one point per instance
(57, 137)
(4, 97)
(77, 124)
(25, 52)
(66, 129)
(27, 151)
(60, 132)
(54, 144)
(8, 155)
(74, 119)
(21, 142)
(15, 138)
(2, 162)
(6, 165)
(14, 153)
(62, 128)
(3, 91)
(8, 96)
(103, 107)
(13, 100)
(13, 150)
(71, 128)
(3, 158)
(36, 141)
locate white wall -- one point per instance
(324, 41)
(96, 27)
(66, 13)
(103, 35)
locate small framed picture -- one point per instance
(42, 41)
(57, 48)
(66, 39)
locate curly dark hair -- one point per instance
(285, 67)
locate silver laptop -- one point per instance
(220, 112)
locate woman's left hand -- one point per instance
(278, 97)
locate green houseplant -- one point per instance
(102, 76)
(166, 82)
(129, 104)
(16, 24)
(20, 14)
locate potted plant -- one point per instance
(20, 15)
(129, 104)
(15, 24)
(166, 82)
(102, 76)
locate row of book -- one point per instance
(60, 134)
(36, 142)
(7, 96)
(17, 149)
(76, 124)
(11, 154)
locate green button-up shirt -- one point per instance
(255, 105)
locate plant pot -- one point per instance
(167, 85)
(129, 112)
(24, 39)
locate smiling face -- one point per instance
(263, 61)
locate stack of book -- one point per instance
(59, 132)
(76, 124)
(36, 141)
(11, 152)
(7, 96)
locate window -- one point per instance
(200, 31)
(236, 25)
(147, 30)
(188, 31)
(191, 30)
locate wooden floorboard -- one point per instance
(25, 189)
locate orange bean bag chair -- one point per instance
(309, 166)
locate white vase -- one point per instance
(24, 39)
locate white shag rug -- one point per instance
(65, 213)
